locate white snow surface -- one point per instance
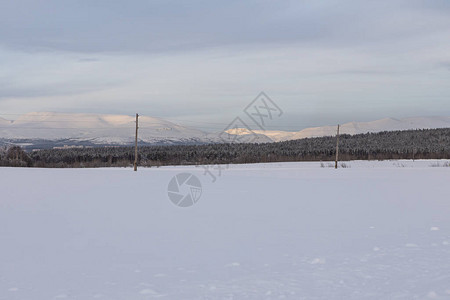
(374, 230)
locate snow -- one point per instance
(387, 124)
(97, 128)
(375, 230)
(120, 129)
(4, 122)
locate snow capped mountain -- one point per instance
(4, 122)
(120, 129)
(109, 129)
(388, 124)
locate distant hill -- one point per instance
(48, 129)
(410, 144)
(39, 130)
(4, 122)
(388, 124)
(96, 128)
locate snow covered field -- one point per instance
(376, 230)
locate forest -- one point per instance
(410, 144)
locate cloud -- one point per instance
(176, 25)
(324, 61)
(445, 64)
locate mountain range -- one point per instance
(387, 124)
(98, 129)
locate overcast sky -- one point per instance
(322, 62)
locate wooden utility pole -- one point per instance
(337, 149)
(135, 144)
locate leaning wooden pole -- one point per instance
(337, 149)
(135, 144)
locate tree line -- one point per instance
(410, 144)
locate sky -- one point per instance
(200, 63)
